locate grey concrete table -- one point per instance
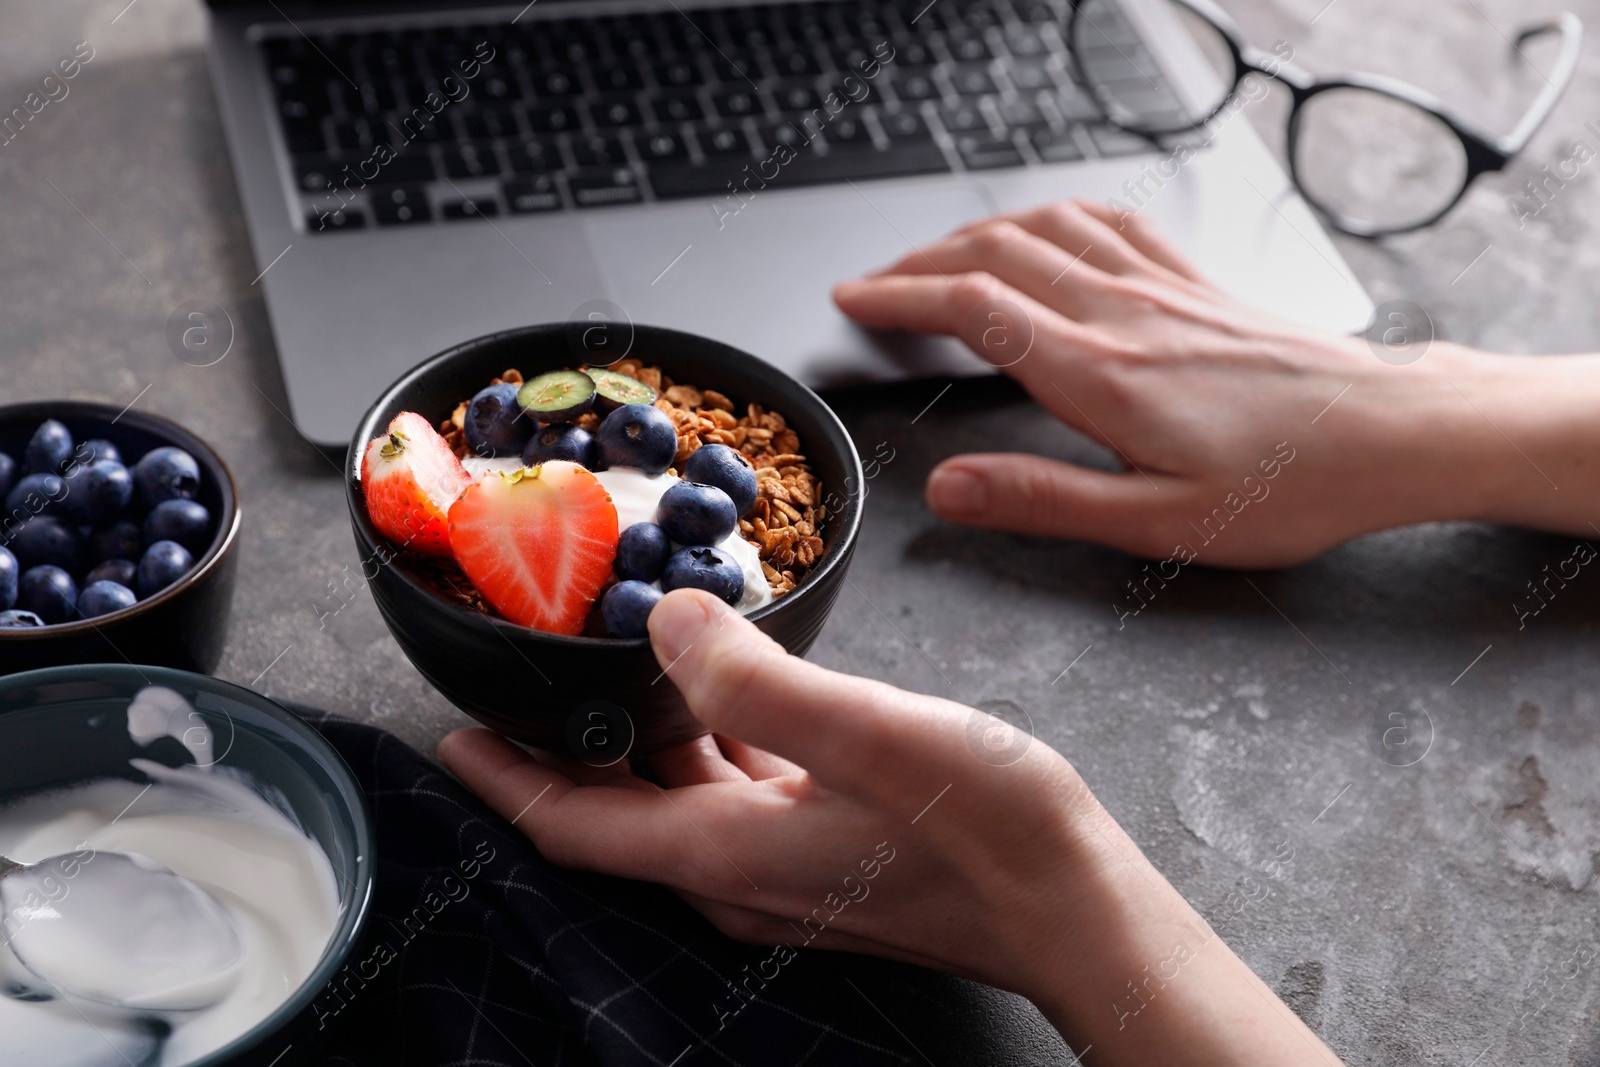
(1437, 913)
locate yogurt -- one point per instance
(635, 495)
(210, 825)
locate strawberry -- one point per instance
(410, 478)
(537, 543)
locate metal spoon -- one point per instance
(119, 928)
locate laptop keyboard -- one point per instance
(593, 111)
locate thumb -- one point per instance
(742, 684)
(1032, 495)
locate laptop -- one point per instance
(413, 175)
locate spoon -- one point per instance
(121, 930)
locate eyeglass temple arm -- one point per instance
(1571, 31)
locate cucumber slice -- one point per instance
(559, 396)
(617, 389)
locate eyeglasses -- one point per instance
(1374, 155)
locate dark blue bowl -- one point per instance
(184, 625)
(562, 693)
(67, 724)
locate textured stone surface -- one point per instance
(1435, 914)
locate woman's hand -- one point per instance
(1244, 441)
(833, 812)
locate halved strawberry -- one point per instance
(410, 478)
(538, 543)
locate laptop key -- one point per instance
(677, 73)
(318, 174)
(1113, 141)
(333, 221)
(1029, 75)
(962, 118)
(915, 87)
(304, 136)
(600, 188)
(796, 97)
(848, 162)
(532, 154)
(406, 169)
(554, 82)
(972, 81)
(987, 151)
(470, 209)
(847, 131)
(597, 151)
(967, 46)
(735, 103)
(656, 146)
(724, 142)
(905, 127)
(1021, 114)
(678, 105)
(615, 111)
(677, 179)
(617, 78)
(551, 118)
(533, 193)
(1056, 147)
(402, 205)
(490, 122)
(794, 62)
(471, 161)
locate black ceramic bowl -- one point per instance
(69, 724)
(182, 626)
(589, 695)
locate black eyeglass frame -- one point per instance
(1484, 152)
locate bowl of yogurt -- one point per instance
(593, 696)
(246, 811)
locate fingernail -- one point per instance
(845, 290)
(956, 491)
(680, 618)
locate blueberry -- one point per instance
(36, 494)
(726, 469)
(97, 493)
(48, 450)
(19, 619)
(102, 598)
(8, 474)
(693, 514)
(642, 552)
(162, 564)
(109, 489)
(99, 450)
(495, 424)
(562, 440)
(121, 540)
(49, 593)
(121, 571)
(182, 521)
(9, 571)
(47, 540)
(710, 569)
(166, 473)
(626, 608)
(640, 436)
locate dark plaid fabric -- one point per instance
(479, 953)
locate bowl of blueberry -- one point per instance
(520, 504)
(116, 541)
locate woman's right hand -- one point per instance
(834, 812)
(1244, 440)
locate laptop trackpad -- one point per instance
(758, 275)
